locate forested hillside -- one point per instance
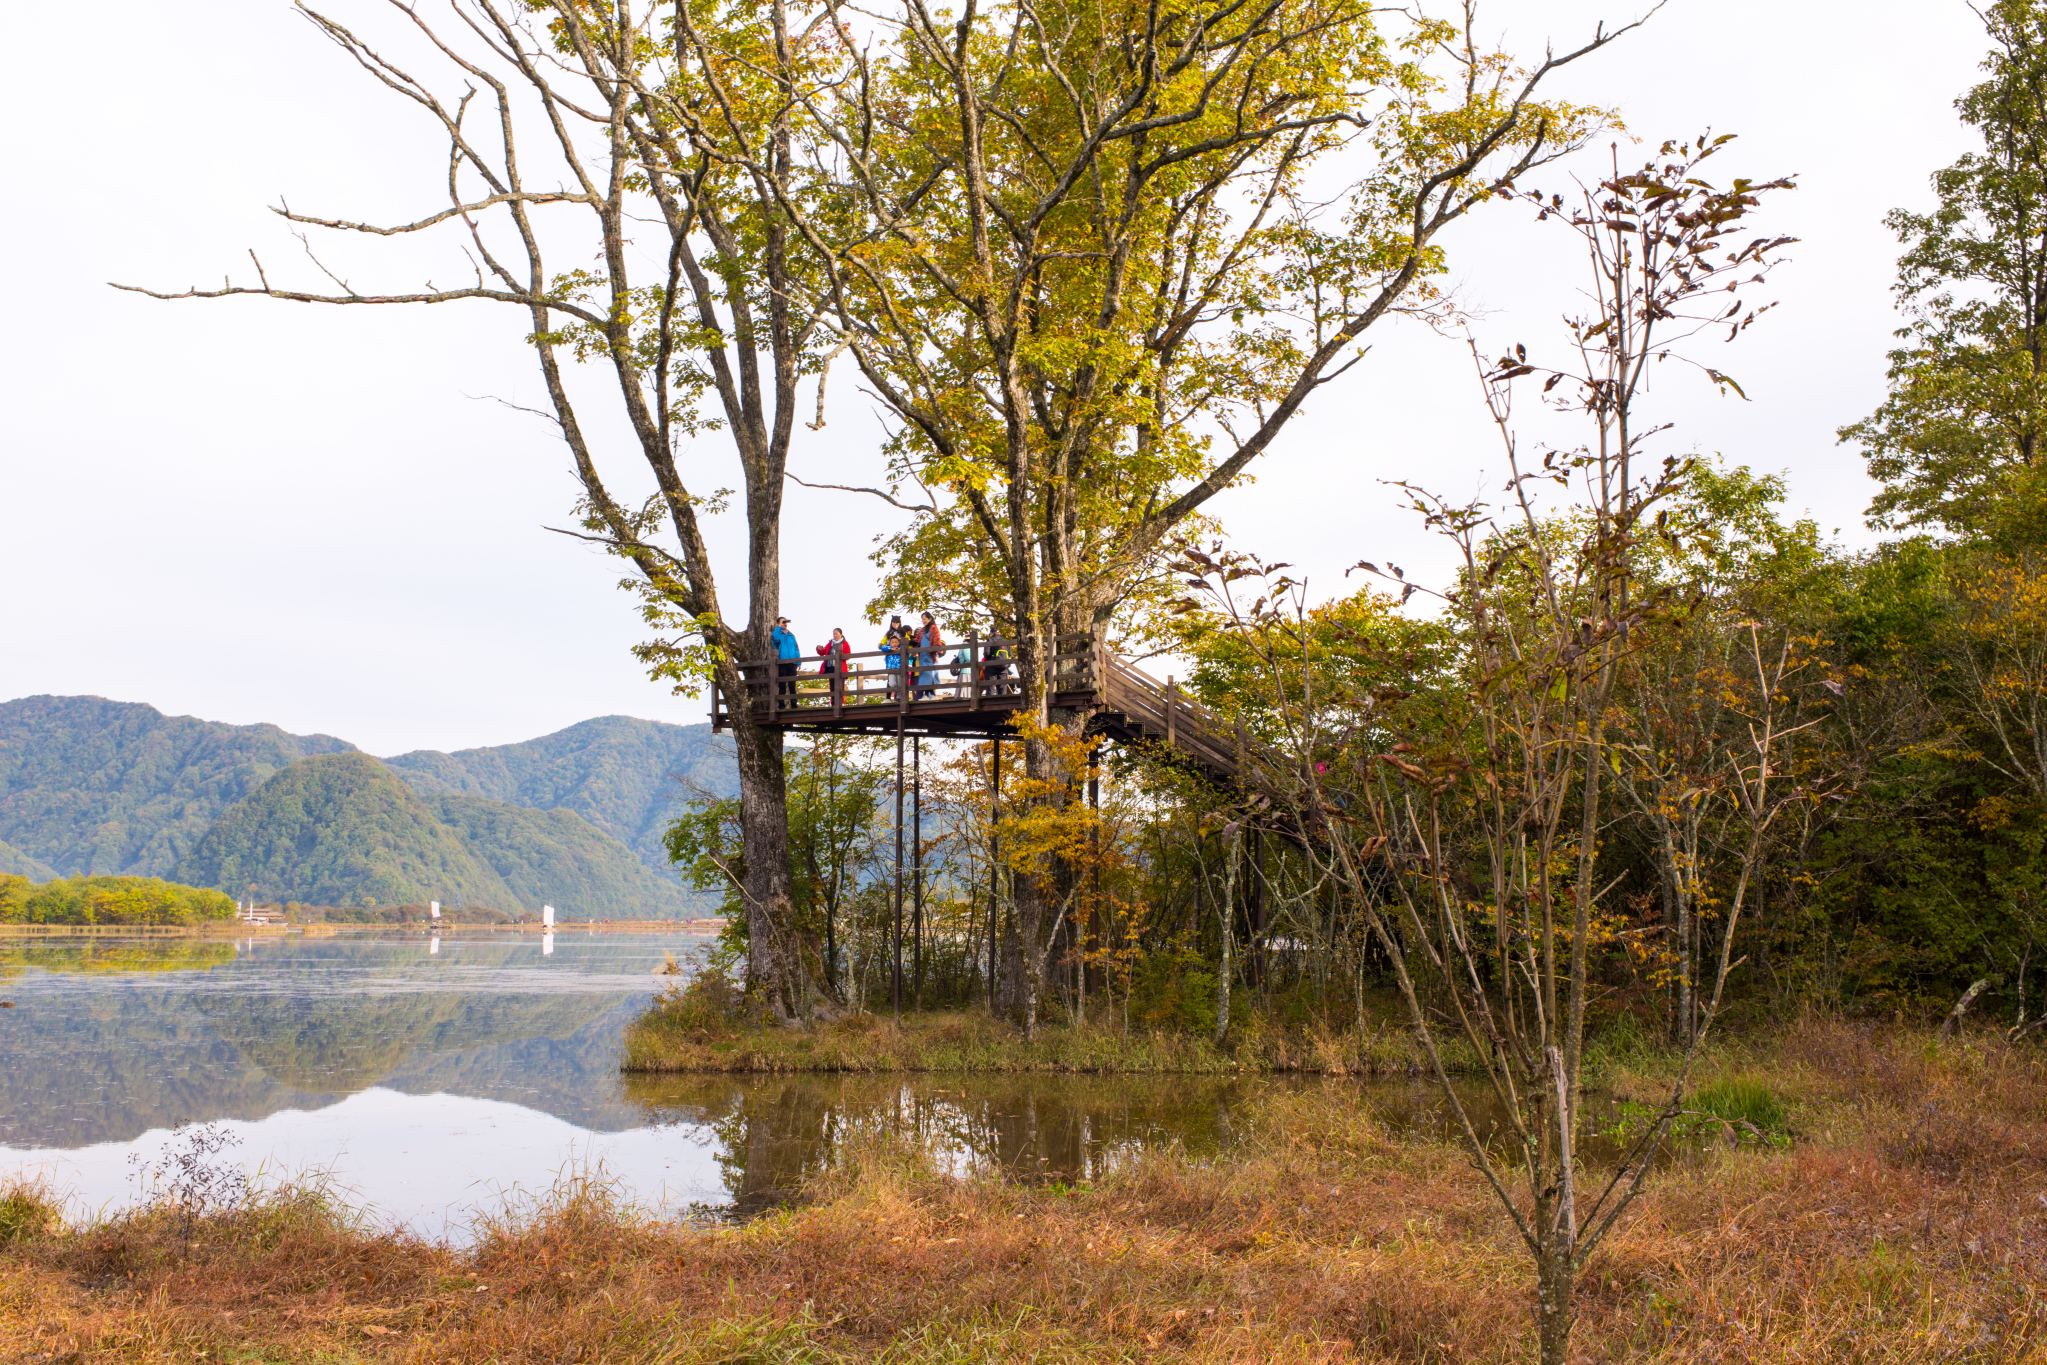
(623, 775)
(88, 784)
(91, 785)
(558, 857)
(15, 863)
(339, 829)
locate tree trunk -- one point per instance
(781, 973)
(1961, 1008)
(1554, 1282)
(1038, 918)
(1226, 921)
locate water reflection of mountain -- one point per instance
(342, 1044)
(574, 1078)
(97, 1059)
(119, 1062)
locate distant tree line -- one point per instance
(109, 900)
(300, 913)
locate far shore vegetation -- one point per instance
(83, 901)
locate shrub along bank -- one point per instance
(1905, 1219)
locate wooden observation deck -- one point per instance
(973, 692)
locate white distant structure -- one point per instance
(434, 908)
(547, 917)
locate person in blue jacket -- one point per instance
(788, 651)
(893, 644)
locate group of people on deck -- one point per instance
(905, 650)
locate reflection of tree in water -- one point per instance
(100, 955)
(769, 1134)
(774, 1133)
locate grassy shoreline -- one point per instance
(1907, 1222)
(671, 1038)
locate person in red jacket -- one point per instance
(930, 644)
(834, 651)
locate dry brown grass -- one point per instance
(1907, 1222)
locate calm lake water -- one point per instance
(432, 1078)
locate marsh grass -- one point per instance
(1906, 1223)
(682, 1032)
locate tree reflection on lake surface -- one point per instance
(773, 1132)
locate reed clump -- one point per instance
(1905, 1221)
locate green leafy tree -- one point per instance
(659, 142)
(835, 804)
(1100, 279)
(1957, 441)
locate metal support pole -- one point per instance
(1094, 913)
(994, 864)
(917, 868)
(896, 976)
(1257, 907)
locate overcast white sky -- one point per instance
(255, 511)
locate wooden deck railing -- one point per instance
(979, 674)
(1160, 711)
(971, 689)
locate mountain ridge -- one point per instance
(93, 785)
(621, 773)
(341, 829)
(557, 856)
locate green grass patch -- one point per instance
(1744, 1101)
(27, 1210)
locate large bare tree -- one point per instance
(607, 135)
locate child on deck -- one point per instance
(893, 644)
